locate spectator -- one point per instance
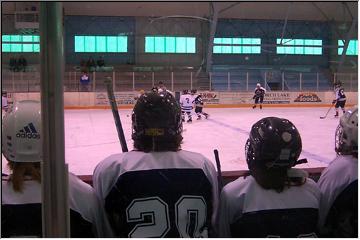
(158, 190)
(339, 183)
(101, 62)
(91, 64)
(21, 193)
(22, 63)
(84, 82)
(275, 200)
(83, 66)
(13, 65)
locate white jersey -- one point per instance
(178, 188)
(248, 210)
(340, 173)
(24, 209)
(186, 102)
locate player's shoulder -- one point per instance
(194, 157)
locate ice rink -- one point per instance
(90, 135)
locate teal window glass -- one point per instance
(122, 44)
(5, 47)
(36, 47)
(79, 44)
(111, 44)
(170, 44)
(149, 44)
(237, 45)
(19, 43)
(299, 46)
(352, 47)
(101, 43)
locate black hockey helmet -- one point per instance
(273, 143)
(185, 91)
(156, 115)
(193, 91)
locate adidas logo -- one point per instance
(28, 131)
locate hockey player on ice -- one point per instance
(158, 190)
(340, 99)
(276, 200)
(199, 104)
(259, 95)
(186, 103)
(339, 183)
(21, 193)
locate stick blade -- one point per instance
(322, 117)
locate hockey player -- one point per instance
(339, 183)
(186, 103)
(259, 95)
(340, 99)
(158, 190)
(199, 104)
(276, 200)
(21, 192)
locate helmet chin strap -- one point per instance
(300, 161)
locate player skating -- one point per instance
(186, 103)
(340, 99)
(199, 104)
(259, 95)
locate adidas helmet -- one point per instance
(346, 135)
(273, 143)
(21, 131)
(156, 115)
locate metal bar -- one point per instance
(55, 201)
(265, 80)
(247, 81)
(113, 81)
(213, 24)
(153, 79)
(172, 81)
(317, 81)
(133, 81)
(191, 80)
(13, 81)
(94, 80)
(300, 82)
(210, 81)
(228, 81)
(285, 23)
(283, 80)
(351, 81)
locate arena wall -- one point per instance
(79, 100)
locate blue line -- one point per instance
(305, 153)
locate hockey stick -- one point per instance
(218, 166)
(115, 113)
(323, 117)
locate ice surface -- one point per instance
(90, 135)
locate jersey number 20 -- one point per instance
(190, 216)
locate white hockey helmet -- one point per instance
(346, 135)
(21, 131)
(258, 85)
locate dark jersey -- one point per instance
(248, 210)
(21, 212)
(260, 92)
(198, 101)
(339, 198)
(340, 94)
(158, 194)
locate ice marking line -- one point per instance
(304, 152)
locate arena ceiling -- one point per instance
(317, 11)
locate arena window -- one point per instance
(352, 48)
(20, 43)
(237, 45)
(168, 44)
(299, 46)
(101, 44)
